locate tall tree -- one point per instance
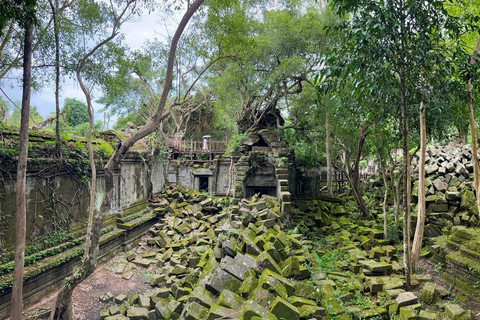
(410, 34)
(24, 15)
(473, 129)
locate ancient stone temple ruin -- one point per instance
(262, 164)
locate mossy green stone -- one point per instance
(104, 313)
(298, 301)
(253, 309)
(307, 311)
(456, 312)
(202, 296)
(248, 285)
(117, 317)
(428, 293)
(218, 311)
(137, 313)
(276, 278)
(283, 309)
(162, 309)
(310, 292)
(230, 299)
(267, 262)
(195, 311)
(262, 296)
(290, 267)
(424, 315)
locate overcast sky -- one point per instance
(148, 26)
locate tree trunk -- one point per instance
(21, 201)
(355, 173)
(93, 169)
(58, 146)
(328, 151)
(417, 240)
(406, 191)
(473, 130)
(397, 199)
(385, 196)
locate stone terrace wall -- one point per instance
(58, 194)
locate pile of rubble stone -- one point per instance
(238, 262)
(450, 198)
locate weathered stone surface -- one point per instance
(283, 309)
(106, 297)
(308, 291)
(220, 280)
(248, 285)
(117, 317)
(142, 262)
(195, 311)
(428, 293)
(121, 298)
(202, 296)
(253, 309)
(431, 169)
(262, 296)
(220, 312)
(230, 299)
(266, 261)
(137, 313)
(454, 311)
(424, 315)
(440, 185)
(236, 269)
(406, 299)
(269, 277)
(163, 311)
(374, 266)
(375, 284)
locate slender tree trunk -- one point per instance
(21, 201)
(328, 151)
(417, 240)
(58, 146)
(363, 132)
(385, 197)
(473, 130)
(397, 198)
(93, 181)
(406, 191)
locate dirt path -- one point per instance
(106, 278)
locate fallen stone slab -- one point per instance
(456, 312)
(220, 280)
(137, 313)
(283, 309)
(406, 299)
(230, 299)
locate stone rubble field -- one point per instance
(210, 260)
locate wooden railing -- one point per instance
(194, 148)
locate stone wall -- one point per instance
(58, 193)
(188, 174)
(48, 274)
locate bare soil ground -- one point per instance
(86, 305)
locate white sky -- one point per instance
(148, 26)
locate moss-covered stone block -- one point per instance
(137, 313)
(283, 309)
(230, 299)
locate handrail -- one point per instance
(196, 146)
